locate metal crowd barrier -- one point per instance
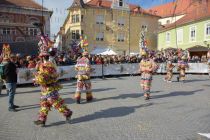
(27, 75)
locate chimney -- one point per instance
(99, 3)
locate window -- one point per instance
(82, 32)
(168, 37)
(208, 29)
(73, 34)
(159, 23)
(121, 37)
(100, 37)
(120, 3)
(168, 22)
(82, 18)
(100, 19)
(75, 18)
(77, 34)
(193, 33)
(144, 28)
(32, 31)
(33, 20)
(6, 31)
(121, 22)
(179, 35)
(20, 39)
(1, 39)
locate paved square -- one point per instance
(177, 111)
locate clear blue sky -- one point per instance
(59, 9)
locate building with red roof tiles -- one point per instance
(17, 18)
(115, 25)
(191, 31)
(21, 3)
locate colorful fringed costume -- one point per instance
(147, 68)
(182, 67)
(83, 68)
(6, 51)
(169, 69)
(47, 77)
(83, 44)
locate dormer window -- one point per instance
(120, 3)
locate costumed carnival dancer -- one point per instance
(169, 69)
(83, 69)
(147, 68)
(181, 68)
(47, 78)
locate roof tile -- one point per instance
(197, 11)
(21, 3)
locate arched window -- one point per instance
(33, 20)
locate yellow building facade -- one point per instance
(106, 24)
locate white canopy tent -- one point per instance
(103, 51)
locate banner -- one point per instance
(27, 75)
(121, 69)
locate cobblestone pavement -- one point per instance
(177, 111)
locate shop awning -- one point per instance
(198, 49)
(103, 51)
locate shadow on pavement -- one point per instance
(57, 124)
(69, 100)
(206, 85)
(108, 113)
(94, 91)
(27, 107)
(176, 93)
(25, 92)
(196, 80)
(122, 96)
(3, 95)
(102, 89)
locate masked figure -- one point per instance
(147, 68)
(169, 69)
(83, 68)
(182, 67)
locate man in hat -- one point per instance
(182, 67)
(47, 78)
(83, 78)
(147, 68)
(10, 78)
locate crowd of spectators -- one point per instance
(69, 59)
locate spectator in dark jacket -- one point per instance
(10, 77)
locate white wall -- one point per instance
(163, 21)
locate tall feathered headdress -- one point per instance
(45, 43)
